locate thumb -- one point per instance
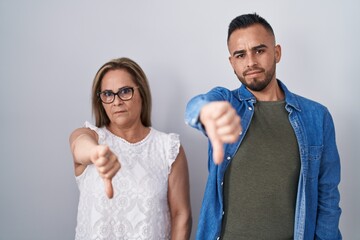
(217, 144)
(109, 188)
(218, 151)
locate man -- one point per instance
(275, 175)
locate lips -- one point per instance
(252, 72)
(119, 112)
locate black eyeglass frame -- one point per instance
(117, 93)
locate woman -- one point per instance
(143, 171)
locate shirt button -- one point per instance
(223, 213)
(222, 183)
(250, 108)
(218, 238)
(228, 158)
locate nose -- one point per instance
(251, 61)
(117, 100)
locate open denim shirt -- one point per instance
(317, 205)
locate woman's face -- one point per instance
(122, 114)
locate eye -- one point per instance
(126, 90)
(107, 93)
(260, 51)
(240, 55)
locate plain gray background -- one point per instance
(51, 50)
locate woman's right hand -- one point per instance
(107, 164)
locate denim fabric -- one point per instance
(317, 205)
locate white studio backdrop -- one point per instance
(51, 50)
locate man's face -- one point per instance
(253, 56)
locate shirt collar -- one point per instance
(290, 98)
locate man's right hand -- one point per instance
(107, 164)
(222, 125)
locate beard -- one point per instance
(257, 84)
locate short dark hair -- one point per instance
(247, 20)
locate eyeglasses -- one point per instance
(124, 93)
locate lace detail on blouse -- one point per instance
(139, 208)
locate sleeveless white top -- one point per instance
(139, 208)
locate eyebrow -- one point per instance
(125, 87)
(253, 49)
(119, 89)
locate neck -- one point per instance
(272, 92)
(132, 134)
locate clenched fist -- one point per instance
(107, 164)
(222, 125)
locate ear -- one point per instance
(231, 60)
(277, 53)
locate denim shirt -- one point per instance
(317, 210)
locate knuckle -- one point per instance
(114, 158)
(101, 161)
(101, 170)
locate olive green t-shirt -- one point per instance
(260, 184)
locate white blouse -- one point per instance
(139, 208)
